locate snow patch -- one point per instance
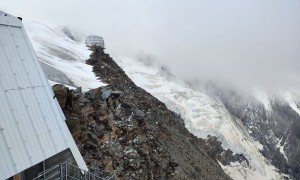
(52, 83)
(263, 97)
(240, 171)
(57, 50)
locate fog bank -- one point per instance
(253, 43)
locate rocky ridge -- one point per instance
(123, 128)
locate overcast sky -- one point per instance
(246, 43)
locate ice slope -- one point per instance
(203, 116)
(55, 49)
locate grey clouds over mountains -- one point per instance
(246, 43)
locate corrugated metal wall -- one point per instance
(32, 126)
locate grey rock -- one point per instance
(105, 94)
(138, 114)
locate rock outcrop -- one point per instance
(123, 128)
(275, 127)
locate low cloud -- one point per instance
(246, 44)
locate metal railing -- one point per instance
(67, 171)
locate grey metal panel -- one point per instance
(5, 143)
(12, 21)
(16, 127)
(32, 126)
(40, 129)
(9, 124)
(5, 72)
(9, 169)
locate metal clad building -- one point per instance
(32, 126)
(93, 40)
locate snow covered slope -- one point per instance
(203, 116)
(63, 59)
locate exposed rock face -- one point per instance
(133, 133)
(276, 128)
(215, 148)
(75, 36)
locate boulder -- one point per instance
(105, 94)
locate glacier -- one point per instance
(203, 116)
